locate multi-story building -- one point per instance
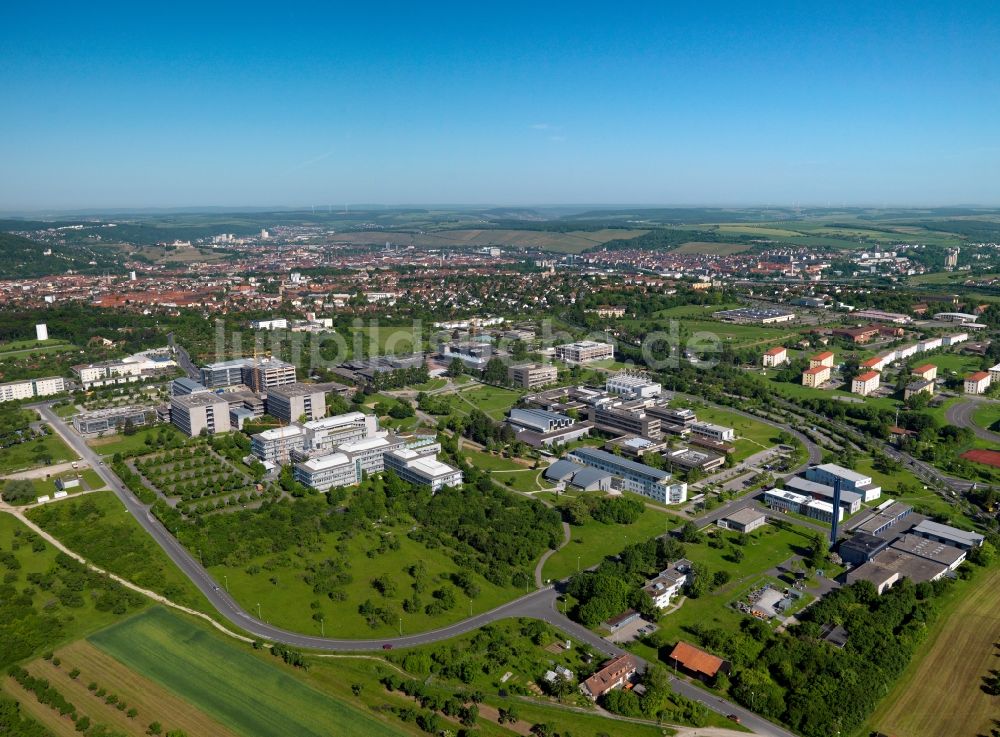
(277, 443)
(927, 372)
(532, 375)
(420, 466)
(718, 433)
(289, 402)
(849, 500)
(636, 477)
(828, 473)
(816, 376)
(106, 373)
(632, 386)
(822, 359)
(326, 472)
(184, 385)
(977, 383)
(30, 388)
(259, 374)
(994, 372)
(920, 386)
(585, 351)
(368, 454)
(207, 411)
(635, 421)
(665, 587)
(329, 432)
(775, 357)
(865, 383)
(789, 501)
(950, 340)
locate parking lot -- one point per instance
(631, 631)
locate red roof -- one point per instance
(822, 356)
(989, 457)
(978, 376)
(611, 674)
(924, 369)
(816, 370)
(866, 376)
(775, 351)
(877, 361)
(695, 660)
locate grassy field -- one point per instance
(987, 414)
(767, 547)
(939, 693)
(260, 699)
(77, 621)
(99, 528)
(111, 444)
(754, 436)
(152, 701)
(493, 400)
(795, 391)
(387, 339)
(514, 475)
(592, 541)
(948, 362)
(278, 584)
(29, 455)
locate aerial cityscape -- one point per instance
(478, 372)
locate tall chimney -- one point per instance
(836, 512)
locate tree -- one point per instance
(456, 367)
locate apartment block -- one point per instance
(30, 388)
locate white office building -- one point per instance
(326, 472)
(329, 432)
(632, 386)
(420, 466)
(276, 443)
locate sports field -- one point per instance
(940, 692)
(259, 699)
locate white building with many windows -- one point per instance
(30, 388)
(633, 476)
(420, 466)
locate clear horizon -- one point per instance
(185, 107)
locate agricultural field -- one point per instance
(283, 584)
(940, 691)
(197, 479)
(568, 242)
(99, 528)
(20, 348)
(713, 249)
(593, 541)
(40, 451)
(106, 692)
(261, 699)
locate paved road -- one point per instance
(960, 415)
(540, 604)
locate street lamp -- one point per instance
(258, 610)
(225, 577)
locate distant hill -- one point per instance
(21, 258)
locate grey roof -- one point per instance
(745, 516)
(562, 470)
(189, 384)
(948, 532)
(588, 476)
(602, 456)
(796, 483)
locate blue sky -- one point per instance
(672, 103)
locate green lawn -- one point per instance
(508, 472)
(797, 391)
(278, 584)
(767, 547)
(33, 454)
(250, 696)
(385, 339)
(948, 362)
(754, 436)
(111, 444)
(429, 386)
(99, 528)
(593, 541)
(494, 401)
(986, 415)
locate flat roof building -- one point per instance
(290, 402)
(635, 477)
(632, 386)
(326, 472)
(947, 534)
(276, 444)
(585, 351)
(203, 411)
(423, 469)
(532, 375)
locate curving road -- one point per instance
(540, 604)
(960, 414)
